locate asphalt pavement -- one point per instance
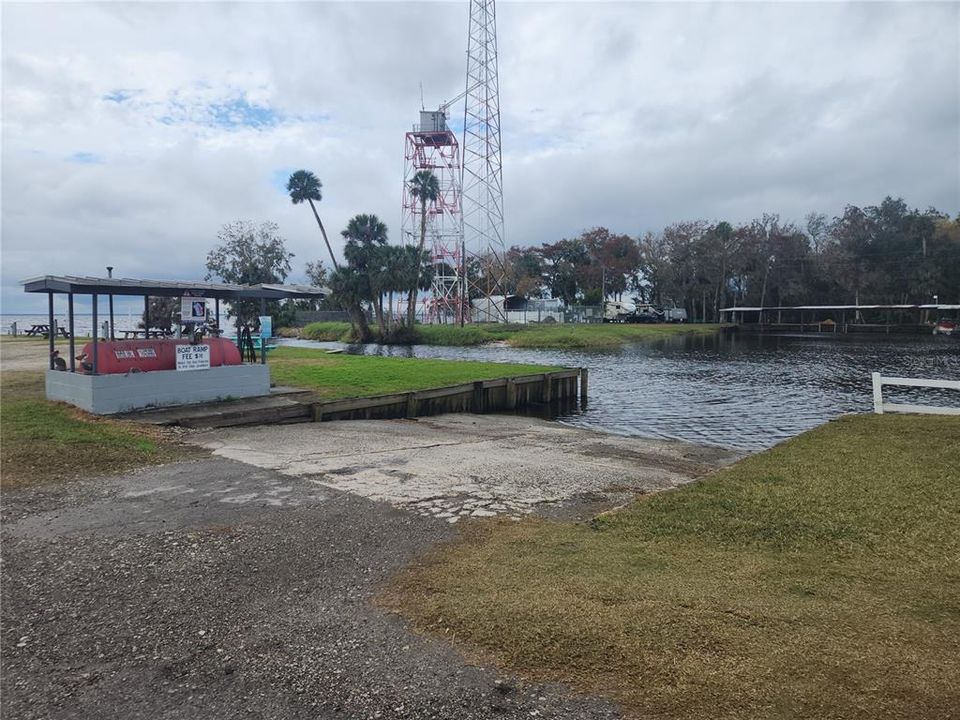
(216, 589)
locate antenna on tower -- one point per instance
(422, 106)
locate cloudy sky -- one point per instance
(133, 131)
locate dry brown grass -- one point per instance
(818, 580)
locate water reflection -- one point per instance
(742, 391)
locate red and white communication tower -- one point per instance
(432, 146)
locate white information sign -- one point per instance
(193, 357)
(193, 309)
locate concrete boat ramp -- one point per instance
(406, 451)
(469, 466)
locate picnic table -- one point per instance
(43, 330)
(127, 334)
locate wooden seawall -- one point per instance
(497, 395)
(558, 388)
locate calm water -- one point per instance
(747, 392)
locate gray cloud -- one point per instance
(630, 115)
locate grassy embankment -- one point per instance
(818, 579)
(525, 336)
(341, 376)
(42, 441)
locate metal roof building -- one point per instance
(113, 391)
(70, 286)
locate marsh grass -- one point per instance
(326, 331)
(818, 579)
(563, 336)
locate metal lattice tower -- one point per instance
(482, 162)
(433, 146)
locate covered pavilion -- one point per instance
(841, 318)
(95, 287)
(105, 393)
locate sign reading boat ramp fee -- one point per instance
(193, 357)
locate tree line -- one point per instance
(880, 254)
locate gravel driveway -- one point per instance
(213, 588)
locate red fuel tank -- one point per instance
(120, 356)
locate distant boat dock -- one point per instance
(843, 319)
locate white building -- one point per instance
(515, 309)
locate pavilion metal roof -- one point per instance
(167, 288)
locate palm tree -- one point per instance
(348, 287)
(304, 185)
(425, 187)
(391, 266)
(366, 237)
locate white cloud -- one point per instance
(630, 115)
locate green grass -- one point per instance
(342, 376)
(818, 579)
(563, 336)
(43, 442)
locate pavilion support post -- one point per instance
(51, 335)
(73, 346)
(263, 340)
(216, 312)
(96, 333)
(112, 336)
(146, 316)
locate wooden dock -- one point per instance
(841, 319)
(507, 394)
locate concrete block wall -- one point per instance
(109, 394)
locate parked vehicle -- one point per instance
(647, 314)
(946, 327)
(675, 315)
(615, 311)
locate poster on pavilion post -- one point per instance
(193, 309)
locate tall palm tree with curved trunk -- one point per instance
(303, 185)
(426, 188)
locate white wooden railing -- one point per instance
(880, 407)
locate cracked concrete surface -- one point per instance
(457, 466)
